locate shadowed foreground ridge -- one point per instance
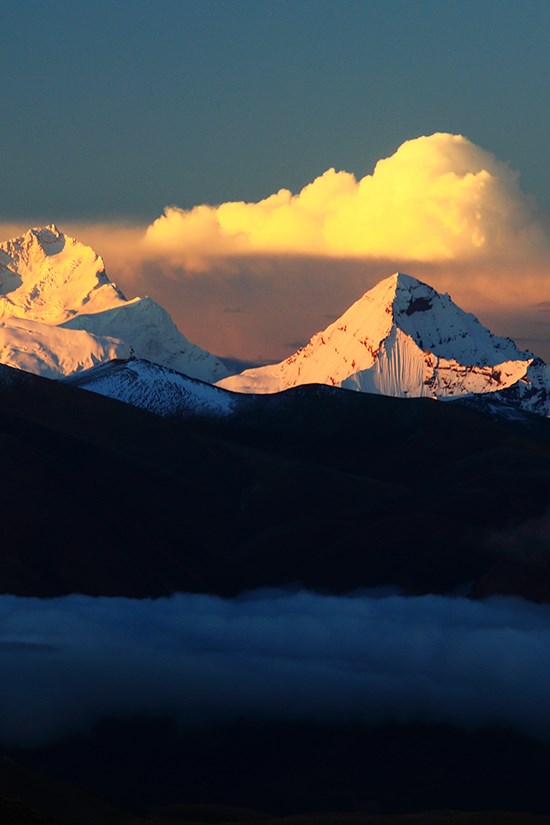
(315, 486)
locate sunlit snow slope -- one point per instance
(402, 338)
(50, 278)
(157, 389)
(52, 351)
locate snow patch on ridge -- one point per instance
(157, 389)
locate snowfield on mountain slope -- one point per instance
(48, 277)
(156, 389)
(53, 351)
(401, 338)
(153, 336)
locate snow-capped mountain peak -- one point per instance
(49, 238)
(49, 277)
(54, 280)
(400, 338)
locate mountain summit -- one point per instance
(47, 276)
(401, 338)
(61, 314)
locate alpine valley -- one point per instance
(403, 453)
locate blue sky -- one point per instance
(118, 109)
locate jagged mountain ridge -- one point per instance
(62, 315)
(401, 338)
(431, 348)
(53, 280)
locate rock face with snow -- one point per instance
(532, 392)
(54, 280)
(404, 339)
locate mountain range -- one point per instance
(61, 317)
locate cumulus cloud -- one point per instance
(69, 661)
(438, 197)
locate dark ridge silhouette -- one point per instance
(315, 486)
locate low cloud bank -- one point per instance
(69, 661)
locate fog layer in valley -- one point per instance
(68, 662)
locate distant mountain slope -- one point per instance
(48, 277)
(156, 389)
(152, 335)
(402, 338)
(532, 392)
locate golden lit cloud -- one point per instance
(438, 198)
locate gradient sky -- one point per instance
(121, 108)
(112, 111)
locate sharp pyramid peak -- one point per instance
(392, 292)
(388, 288)
(404, 281)
(401, 277)
(401, 293)
(402, 338)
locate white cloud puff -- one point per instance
(438, 198)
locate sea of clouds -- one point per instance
(67, 662)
